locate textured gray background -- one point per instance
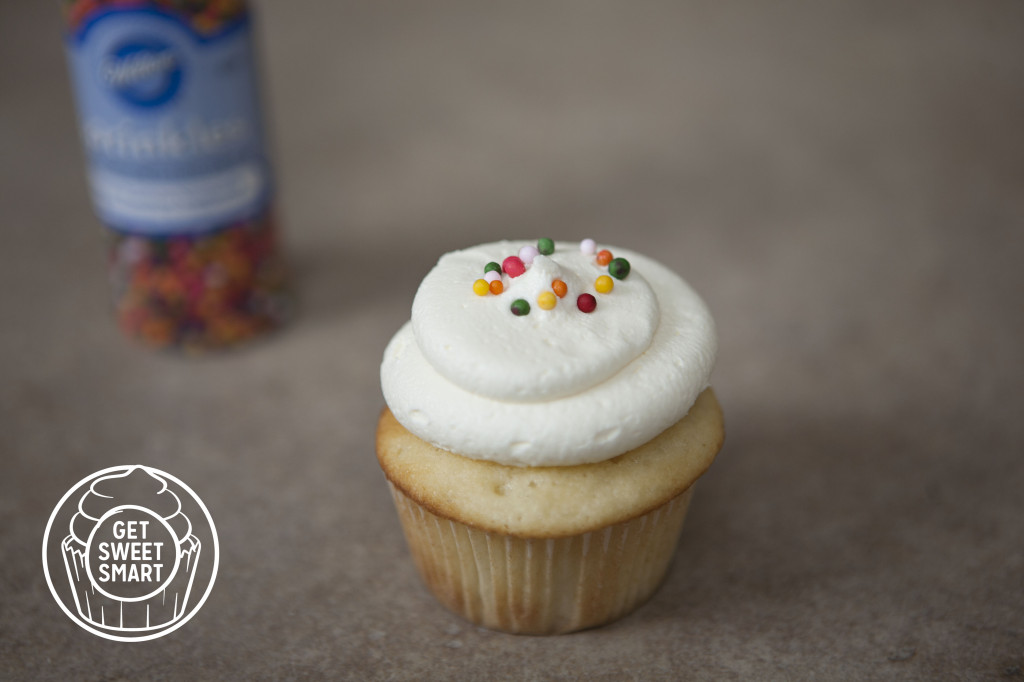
(843, 182)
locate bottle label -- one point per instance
(169, 121)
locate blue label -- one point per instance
(170, 122)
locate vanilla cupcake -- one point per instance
(548, 412)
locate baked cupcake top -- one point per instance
(548, 353)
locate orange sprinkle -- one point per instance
(559, 287)
(604, 257)
(497, 287)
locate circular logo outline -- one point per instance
(125, 468)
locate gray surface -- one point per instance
(842, 181)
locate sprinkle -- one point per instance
(492, 267)
(588, 246)
(528, 253)
(559, 288)
(546, 246)
(604, 257)
(586, 303)
(520, 307)
(513, 265)
(492, 275)
(200, 292)
(546, 300)
(618, 268)
(497, 287)
(604, 284)
(481, 287)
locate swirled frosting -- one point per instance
(136, 486)
(554, 387)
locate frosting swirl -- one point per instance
(136, 486)
(555, 387)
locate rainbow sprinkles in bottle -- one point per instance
(178, 167)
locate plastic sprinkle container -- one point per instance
(169, 115)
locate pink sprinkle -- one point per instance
(513, 265)
(588, 246)
(492, 275)
(528, 253)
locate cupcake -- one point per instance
(548, 413)
(131, 555)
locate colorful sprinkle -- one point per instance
(546, 300)
(200, 292)
(604, 257)
(492, 276)
(520, 307)
(618, 268)
(492, 267)
(513, 266)
(588, 246)
(559, 287)
(603, 284)
(528, 253)
(481, 287)
(546, 246)
(497, 287)
(586, 303)
(207, 18)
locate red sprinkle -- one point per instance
(586, 303)
(513, 266)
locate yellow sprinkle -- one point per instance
(603, 284)
(546, 300)
(481, 287)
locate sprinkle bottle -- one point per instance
(170, 120)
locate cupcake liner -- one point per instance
(542, 585)
(158, 611)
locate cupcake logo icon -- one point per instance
(130, 553)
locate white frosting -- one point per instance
(554, 387)
(477, 343)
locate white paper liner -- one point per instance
(542, 585)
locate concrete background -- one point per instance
(844, 184)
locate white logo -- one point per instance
(130, 553)
(138, 66)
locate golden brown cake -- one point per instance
(543, 550)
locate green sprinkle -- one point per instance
(545, 246)
(520, 307)
(618, 268)
(492, 266)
